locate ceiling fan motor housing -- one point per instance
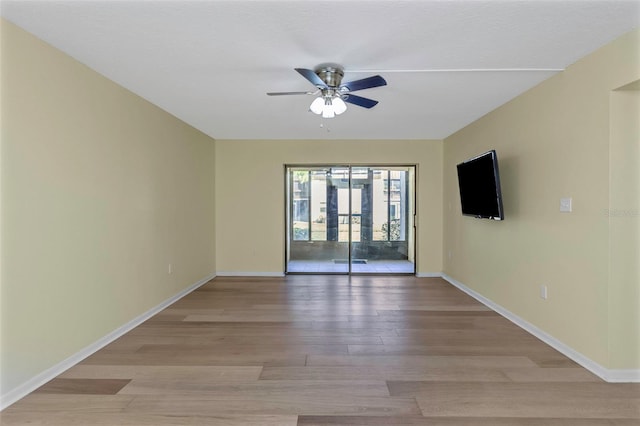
(331, 74)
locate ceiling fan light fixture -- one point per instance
(328, 106)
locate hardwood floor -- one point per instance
(328, 350)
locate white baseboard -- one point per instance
(609, 375)
(248, 274)
(623, 376)
(19, 392)
(428, 274)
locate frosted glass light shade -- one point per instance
(338, 105)
(328, 113)
(317, 105)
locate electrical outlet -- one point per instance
(566, 205)
(544, 292)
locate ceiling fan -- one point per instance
(332, 93)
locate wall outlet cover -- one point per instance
(566, 204)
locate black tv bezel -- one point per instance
(496, 175)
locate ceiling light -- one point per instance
(338, 105)
(327, 105)
(327, 109)
(317, 105)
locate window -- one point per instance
(389, 205)
(377, 198)
(300, 205)
(318, 194)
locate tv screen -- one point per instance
(479, 183)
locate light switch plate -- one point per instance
(566, 205)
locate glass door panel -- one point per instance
(318, 227)
(382, 220)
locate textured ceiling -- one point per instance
(211, 62)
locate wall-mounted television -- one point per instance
(479, 183)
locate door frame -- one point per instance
(289, 220)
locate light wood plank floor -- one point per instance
(328, 350)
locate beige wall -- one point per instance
(552, 142)
(624, 225)
(100, 192)
(250, 195)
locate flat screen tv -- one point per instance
(479, 183)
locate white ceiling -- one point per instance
(211, 62)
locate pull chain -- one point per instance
(323, 127)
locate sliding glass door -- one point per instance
(318, 232)
(344, 219)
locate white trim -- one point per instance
(609, 375)
(248, 274)
(449, 70)
(35, 382)
(623, 376)
(428, 274)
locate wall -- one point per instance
(624, 225)
(552, 142)
(100, 192)
(250, 194)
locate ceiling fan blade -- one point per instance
(365, 83)
(312, 77)
(289, 93)
(359, 100)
